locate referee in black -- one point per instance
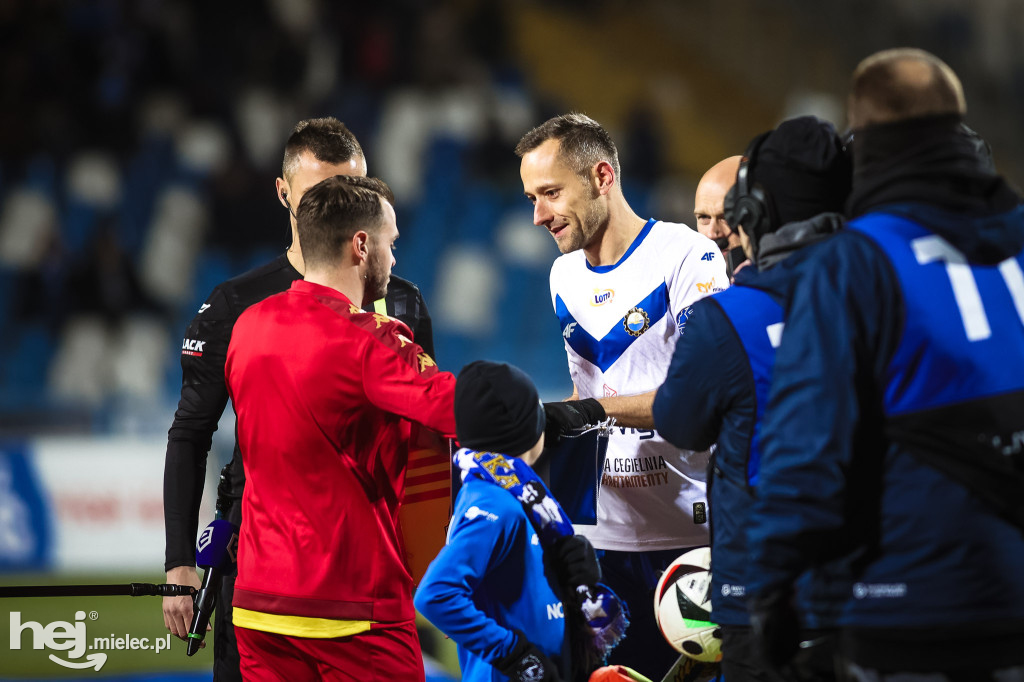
(316, 149)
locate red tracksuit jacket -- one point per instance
(322, 392)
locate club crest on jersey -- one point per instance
(636, 321)
(602, 296)
(426, 362)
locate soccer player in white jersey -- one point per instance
(622, 292)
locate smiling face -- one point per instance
(571, 209)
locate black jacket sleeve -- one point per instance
(203, 398)
(423, 332)
(405, 302)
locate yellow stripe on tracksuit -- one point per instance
(298, 626)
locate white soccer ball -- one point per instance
(682, 607)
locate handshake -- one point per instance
(563, 417)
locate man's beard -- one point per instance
(377, 276)
(590, 224)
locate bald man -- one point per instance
(708, 209)
(894, 435)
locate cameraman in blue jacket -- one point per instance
(790, 187)
(894, 429)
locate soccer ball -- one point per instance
(682, 607)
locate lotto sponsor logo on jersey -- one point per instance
(602, 296)
(192, 347)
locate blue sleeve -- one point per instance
(445, 595)
(825, 384)
(708, 367)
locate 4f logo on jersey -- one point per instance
(636, 321)
(710, 255)
(569, 329)
(602, 296)
(192, 347)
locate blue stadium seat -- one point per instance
(442, 168)
(213, 266)
(8, 280)
(26, 363)
(78, 225)
(145, 174)
(478, 214)
(42, 175)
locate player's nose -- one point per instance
(542, 214)
(718, 229)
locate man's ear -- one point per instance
(602, 175)
(282, 192)
(361, 246)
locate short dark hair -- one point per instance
(582, 142)
(333, 210)
(326, 138)
(903, 83)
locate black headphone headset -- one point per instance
(746, 204)
(284, 198)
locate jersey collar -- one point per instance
(632, 247)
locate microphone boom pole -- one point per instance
(129, 590)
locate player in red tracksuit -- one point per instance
(323, 394)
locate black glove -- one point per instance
(574, 562)
(776, 629)
(563, 417)
(526, 663)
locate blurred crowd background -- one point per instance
(140, 139)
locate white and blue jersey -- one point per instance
(620, 323)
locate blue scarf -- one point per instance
(605, 615)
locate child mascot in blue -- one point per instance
(513, 583)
